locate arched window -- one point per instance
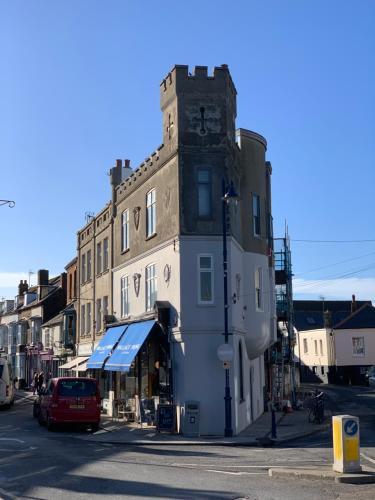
(240, 367)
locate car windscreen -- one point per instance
(1, 370)
(76, 388)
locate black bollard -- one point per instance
(273, 424)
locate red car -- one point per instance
(70, 400)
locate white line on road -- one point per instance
(236, 473)
(12, 439)
(368, 458)
(48, 469)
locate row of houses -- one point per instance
(144, 304)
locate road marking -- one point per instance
(368, 458)
(236, 473)
(12, 439)
(22, 476)
(7, 494)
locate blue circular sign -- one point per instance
(351, 427)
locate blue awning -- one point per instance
(128, 347)
(105, 347)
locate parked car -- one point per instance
(370, 376)
(69, 400)
(6, 383)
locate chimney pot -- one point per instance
(127, 163)
(118, 163)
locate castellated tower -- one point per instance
(198, 110)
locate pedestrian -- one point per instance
(35, 382)
(40, 381)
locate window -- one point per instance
(256, 215)
(316, 347)
(315, 370)
(88, 317)
(98, 315)
(322, 370)
(105, 254)
(105, 306)
(124, 296)
(47, 339)
(204, 193)
(88, 265)
(151, 213)
(99, 268)
(151, 286)
(205, 279)
(83, 268)
(358, 346)
(83, 320)
(305, 347)
(240, 367)
(321, 347)
(125, 230)
(258, 289)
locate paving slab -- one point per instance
(367, 476)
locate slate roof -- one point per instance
(308, 314)
(361, 318)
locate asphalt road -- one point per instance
(36, 464)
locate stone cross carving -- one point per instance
(170, 127)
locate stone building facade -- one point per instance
(165, 239)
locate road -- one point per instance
(36, 464)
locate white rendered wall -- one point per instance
(344, 347)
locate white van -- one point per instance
(6, 383)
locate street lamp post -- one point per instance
(228, 194)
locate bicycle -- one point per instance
(315, 409)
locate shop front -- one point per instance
(132, 365)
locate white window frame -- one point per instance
(88, 265)
(88, 317)
(305, 346)
(358, 354)
(151, 213)
(98, 314)
(99, 263)
(83, 268)
(205, 270)
(258, 278)
(256, 215)
(204, 190)
(151, 288)
(105, 254)
(125, 304)
(83, 320)
(125, 230)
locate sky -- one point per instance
(79, 88)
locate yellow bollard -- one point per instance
(346, 455)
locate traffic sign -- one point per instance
(351, 427)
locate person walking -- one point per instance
(35, 382)
(40, 381)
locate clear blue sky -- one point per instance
(79, 87)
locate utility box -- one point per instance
(346, 455)
(191, 418)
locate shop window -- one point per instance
(151, 213)
(205, 279)
(151, 286)
(125, 230)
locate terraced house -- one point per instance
(150, 265)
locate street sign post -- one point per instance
(346, 454)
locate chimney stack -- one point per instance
(353, 304)
(23, 287)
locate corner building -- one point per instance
(168, 256)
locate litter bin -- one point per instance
(191, 418)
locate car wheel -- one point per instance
(40, 419)
(94, 427)
(50, 425)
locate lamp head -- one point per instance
(231, 193)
